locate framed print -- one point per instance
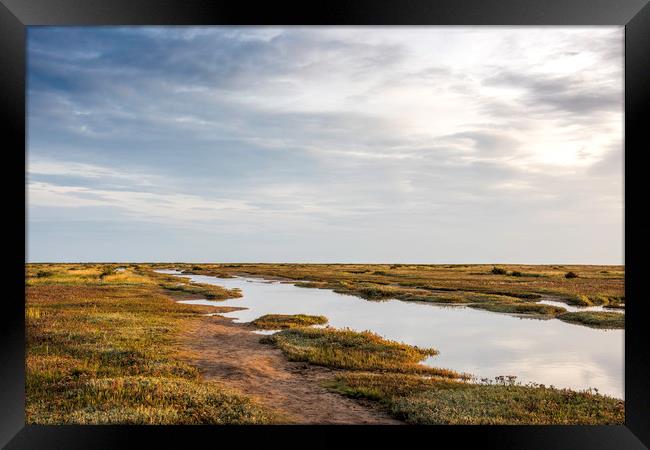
(276, 226)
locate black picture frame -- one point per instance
(16, 15)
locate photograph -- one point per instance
(325, 225)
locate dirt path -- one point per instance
(232, 354)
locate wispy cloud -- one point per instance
(401, 143)
(83, 170)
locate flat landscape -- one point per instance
(172, 343)
(310, 225)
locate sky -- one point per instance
(325, 144)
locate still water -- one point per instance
(482, 343)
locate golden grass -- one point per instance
(528, 309)
(434, 401)
(101, 345)
(183, 286)
(595, 319)
(352, 350)
(104, 351)
(285, 321)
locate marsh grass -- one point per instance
(374, 291)
(455, 283)
(311, 284)
(203, 270)
(534, 309)
(389, 373)
(203, 290)
(432, 401)
(88, 274)
(352, 350)
(286, 321)
(612, 301)
(595, 319)
(474, 404)
(383, 386)
(183, 285)
(101, 345)
(105, 352)
(32, 313)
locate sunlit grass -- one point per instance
(432, 401)
(531, 309)
(104, 351)
(595, 319)
(352, 350)
(285, 321)
(102, 343)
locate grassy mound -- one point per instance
(347, 349)
(595, 319)
(310, 284)
(499, 405)
(533, 309)
(208, 291)
(284, 321)
(608, 301)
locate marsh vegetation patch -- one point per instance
(595, 319)
(353, 350)
(434, 401)
(285, 321)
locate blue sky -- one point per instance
(325, 144)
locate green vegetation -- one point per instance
(595, 319)
(450, 283)
(102, 343)
(208, 291)
(615, 305)
(389, 373)
(102, 350)
(579, 300)
(418, 400)
(285, 321)
(533, 309)
(182, 286)
(206, 270)
(310, 284)
(106, 271)
(597, 300)
(373, 291)
(347, 349)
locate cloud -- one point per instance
(174, 207)
(416, 138)
(488, 143)
(610, 165)
(543, 92)
(83, 170)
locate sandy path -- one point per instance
(232, 354)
